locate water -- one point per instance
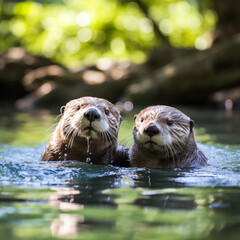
(43, 200)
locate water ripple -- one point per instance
(21, 166)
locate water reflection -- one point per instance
(94, 202)
(200, 212)
(84, 194)
(41, 200)
(71, 201)
(167, 201)
(155, 178)
(66, 225)
(81, 196)
(98, 202)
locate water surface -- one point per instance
(40, 200)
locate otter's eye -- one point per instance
(169, 122)
(142, 119)
(107, 112)
(78, 107)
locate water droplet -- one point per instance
(65, 154)
(88, 145)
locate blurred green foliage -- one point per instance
(73, 32)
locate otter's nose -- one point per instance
(92, 115)
(151, 130)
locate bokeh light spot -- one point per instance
(201, 43)
(84, 34)
(72, 45)
(83, 19)
(130, 23)
(18, 28)
(117, 45)
(166, 26)
(146, 26)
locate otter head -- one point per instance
(162, 130)
(91, 118)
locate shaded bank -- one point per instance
(170, 76)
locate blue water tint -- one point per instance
(22, 166)
(76, 200)
(223, 169)
(69, 199)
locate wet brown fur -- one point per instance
(68, 144)
(178, 146)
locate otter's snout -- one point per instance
(151, 130)
(92, 115)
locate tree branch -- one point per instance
(157, 32)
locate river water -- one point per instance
(59, 200)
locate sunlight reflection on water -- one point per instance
(69, 199)
(22, 166)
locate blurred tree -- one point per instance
(74, 32)
(228, 18)
(165, 36)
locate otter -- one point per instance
(164, 138)
(87, 132)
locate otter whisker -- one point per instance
(58, 116)
(128, 140)
(173, 154)
(51, 127)
(110, 137)
(71, 139)
(169, 151)
(112, 132)
(178, 146)
(106, 137)
(76, 124)
(73, 134)
(103, 134)
(164, 149)
(171, 128)
(70, 131)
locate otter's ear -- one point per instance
(134, 118)
(62, 109)
(191, 122)
(120, 120)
